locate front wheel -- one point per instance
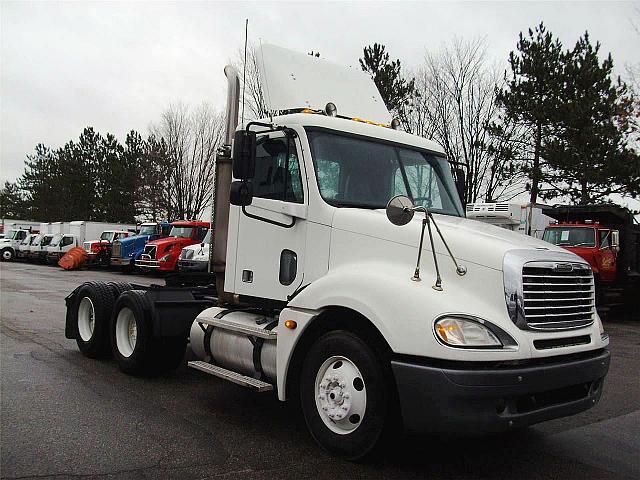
(8, 255)
(346, 395)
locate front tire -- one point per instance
(346, 395)
(7, 255)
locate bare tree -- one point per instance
(255, 102)
(454, 105)
(192, 137)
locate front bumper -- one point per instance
(120, 262)
(192, 266)
(493, 399)
(156, 265)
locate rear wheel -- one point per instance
(119, 287)
(135, 348)
(346, 395)
(92, 313)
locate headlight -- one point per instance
(165, 258)
(462, 332)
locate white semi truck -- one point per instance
(346, 275)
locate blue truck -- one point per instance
(126, 251)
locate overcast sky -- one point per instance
(116, 66)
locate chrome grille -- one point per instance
(557, 295)
(116, 249)
(150, 250)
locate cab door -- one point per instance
(272, 230)
(606, 257)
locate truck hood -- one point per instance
(134, 240)
(171, 240)
(469, 240)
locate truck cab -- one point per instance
(23, 248)
(195, 258)
(162, 254)
(60, 244)
(348, 278)
(593, 242)
(99, 251)
(125, 251)
(9, 244)
(38, 248)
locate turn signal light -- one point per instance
(290, 324)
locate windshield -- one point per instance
(55, 240)
(36, 241)
(46, 240)
(571, 236)
(106, 236)
(183, 232)
(148, 230)
(357, 172)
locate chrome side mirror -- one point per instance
(615, 240)
(400, 210)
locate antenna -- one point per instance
(244, 73)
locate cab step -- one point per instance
(240, 327)
(235, 377)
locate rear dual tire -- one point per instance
(92, 312)
(136, 350)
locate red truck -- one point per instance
(162, 254)
(608, 237)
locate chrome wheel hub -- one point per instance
(341, 396)
(86, 319)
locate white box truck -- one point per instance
(81, 233)
(22, 251)
(14, 234)
(346, 275)
(525, 218)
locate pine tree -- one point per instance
(532, 95)
(40, 184)
(589, 158)
(12, 202)
(395, 90)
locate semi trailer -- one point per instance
(345, 275)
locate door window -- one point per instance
(604, 238)
(66, 241)
(277, 170)
(200, 233)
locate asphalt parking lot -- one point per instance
(63, 415)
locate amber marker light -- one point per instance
(290, 324)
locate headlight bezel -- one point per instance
(507, 342)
